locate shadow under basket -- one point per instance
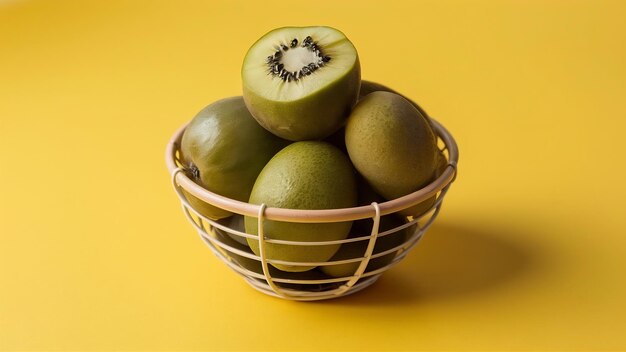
(227, 239)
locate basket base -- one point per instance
(298, 295)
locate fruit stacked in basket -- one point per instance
(314, 182)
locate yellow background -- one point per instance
(529, 251)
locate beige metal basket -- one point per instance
(256, 269)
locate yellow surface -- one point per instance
(528, 253)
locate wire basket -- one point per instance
(226, 238)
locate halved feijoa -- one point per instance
(300, 83)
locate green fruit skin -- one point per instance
(366, 196)
(255, 266)
(417, 210)
(304, 175)
(203, 208)
(368, 87)
(338, 138)
(234, 222)
(422, 208)
(229, 149)
(353, 250)
(245, 262)
(312, 117)
(391, 144)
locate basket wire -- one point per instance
(309, 289)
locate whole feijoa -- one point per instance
(391, 144)
(368, 87)
(223, 149)
(300, 83)
(426, 206)
(234, 249)
(234, 222)
(391, 236)
(304, 175)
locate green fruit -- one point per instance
(229, 239)
(254, 265)
(391, 144)
(203, 207)
(419, 209)
(353, 250)
(234, 222)
(367, 195)
(422, 208)
(300, 83)
(223, 149)
(304, 175)
(360, 228)
(368, 87)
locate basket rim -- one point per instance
(317, 215)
